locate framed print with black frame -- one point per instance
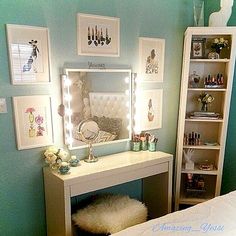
(198, 48)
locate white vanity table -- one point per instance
(154, 168)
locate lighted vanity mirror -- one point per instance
(103, 95)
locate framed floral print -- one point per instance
(98, 35)
(28, 48)
(33, 121)
(149, 109)
(151, 59)
(198, 48)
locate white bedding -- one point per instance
(214, 217)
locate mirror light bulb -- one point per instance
(127, 80)
(69, 140)
(136, 105)
(67, 82)
(68, 97)
(69, 126)
(137, 92)
(137, 79)
(136, 117)
(137, 130)
(68, 112)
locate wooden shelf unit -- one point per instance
(210, 130)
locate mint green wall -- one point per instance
(229, 173)
(21, 181)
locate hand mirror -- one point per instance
(88, 130)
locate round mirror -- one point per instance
(88, 130)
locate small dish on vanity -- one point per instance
(74, 161)
(64, 168)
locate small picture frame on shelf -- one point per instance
(198, 48)
(194, 80)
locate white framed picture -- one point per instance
(28, 48)
(98, 35)
(33, 121)
(149, 109)
(151, 59)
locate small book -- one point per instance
(203, 113)
(205, 117)
(214, 86)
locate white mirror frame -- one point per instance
(67, 97)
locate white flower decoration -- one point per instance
(54, 155)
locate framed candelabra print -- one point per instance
(151, 59)
(149, 109)
(28, 48)
(98, 35)
(33, 121)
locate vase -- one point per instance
(198, 11)
(204, 107)
(218, 50)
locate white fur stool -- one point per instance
(109, 214)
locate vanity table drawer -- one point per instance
(108, 179)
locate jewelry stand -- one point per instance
(91, 158)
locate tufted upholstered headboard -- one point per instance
(111, 105)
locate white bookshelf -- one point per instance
(210, 130)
